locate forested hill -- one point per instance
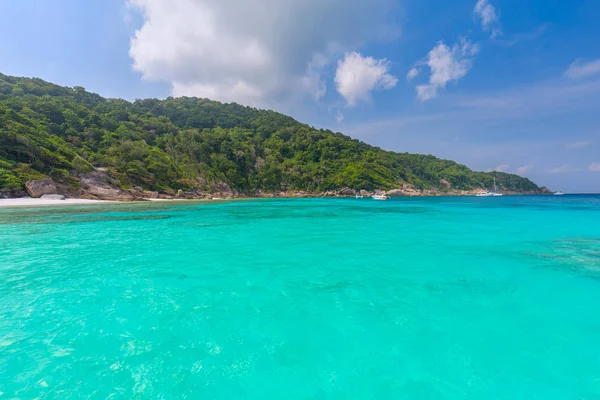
(190, 143)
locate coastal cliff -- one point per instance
(67, 141)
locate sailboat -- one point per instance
(488, 193)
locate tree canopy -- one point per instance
(181, 143)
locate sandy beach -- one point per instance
(31, 202)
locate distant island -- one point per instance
(65, 141)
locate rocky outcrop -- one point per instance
(365, 193)
(7, 193)
(222, 188)
(98, 185)
(40, 187)
(395, 193)
(53, 197)
(445, 184)
(347, 192)
(150, 195)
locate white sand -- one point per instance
(31, 202)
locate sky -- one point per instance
(506, 85)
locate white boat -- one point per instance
(489, 193)
(380, 197)
(559, 193)
(359, 196)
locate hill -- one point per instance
(199, 145)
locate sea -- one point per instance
(412, 298)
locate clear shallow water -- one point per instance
(433, 298)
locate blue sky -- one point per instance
(495, 84)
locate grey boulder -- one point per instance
(53, 197)
(100, 185)
(40, 187)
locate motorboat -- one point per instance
(380, 197)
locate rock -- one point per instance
(88, 196)
(347, 192)
(365, 193)
(12, 193)
(180, 193)
(221, 188)
(150, 195)
(53, 197)
(101, 186)
(37, 189)
(136, 193)
(396, 193)
(445, 184)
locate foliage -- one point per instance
(186, 142)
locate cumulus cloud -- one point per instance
(594, 167)
(580, 69)
(488, 16)
(564, 169)
(257, 52)
(357, 76)
(446, 64)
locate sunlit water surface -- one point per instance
(430, 298)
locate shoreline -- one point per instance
(33, 202)
(25, 202)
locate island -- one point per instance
(68, 142)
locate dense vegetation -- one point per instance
(49, 130)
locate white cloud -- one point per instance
(525, 169)
(489, 17)
(580, 69)
(500, 168)
(594, 167)
(259, 52)
(413, 73)
(578, 144)
(517, 38)
(357, 76)
(128, 14)
(564, 169)
(446, 64)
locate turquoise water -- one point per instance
(428, 298)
